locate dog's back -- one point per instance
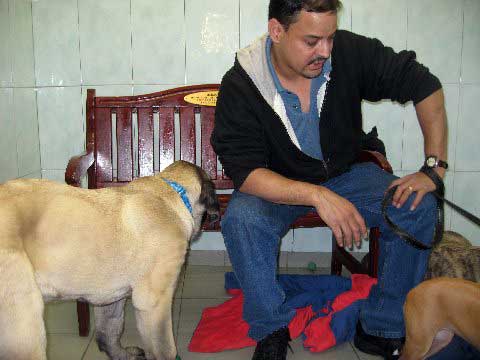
(454, 257)
(60, 228)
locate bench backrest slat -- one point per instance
(187, 134)
(103, 144)
(167, 137)
(209, 158)
(134, 136)
(124, 144)
(145, 142)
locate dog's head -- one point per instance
(200, 189)
(208, 197)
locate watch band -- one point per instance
(443, 164)
(431, 161)
(437, 180)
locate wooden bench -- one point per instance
(134, 136)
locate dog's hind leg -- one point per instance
(21, 309)
(442, 339)
(109, 323)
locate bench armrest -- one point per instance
(375, 157)
(77, 168)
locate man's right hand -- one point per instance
(341, 216)
(337, 212)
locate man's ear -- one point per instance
(275, 30)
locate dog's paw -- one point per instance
(135, 353)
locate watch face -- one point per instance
(431, 161)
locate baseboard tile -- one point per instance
(206, 257)
(287, 259)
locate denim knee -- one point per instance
(248, 212)
(420, 222)
(239, 212)
(428, 214)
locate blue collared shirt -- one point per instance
(305, 125)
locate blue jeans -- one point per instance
(252, 229)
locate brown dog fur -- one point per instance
(437, 309)
(59, 242)
(454, 257)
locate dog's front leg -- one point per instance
(153, 312)
(109, 322)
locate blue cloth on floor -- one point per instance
(320, 290)
(304, 290)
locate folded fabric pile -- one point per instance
(327, 309)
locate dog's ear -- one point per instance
(208, 196)
(210, 200)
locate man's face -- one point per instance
(307, 43)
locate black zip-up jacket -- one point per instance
(251, 129)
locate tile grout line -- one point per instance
(355, 350)
(88, 345)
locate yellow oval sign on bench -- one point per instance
(204, 98)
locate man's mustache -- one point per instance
(318, 58)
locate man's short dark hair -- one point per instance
(286, 11)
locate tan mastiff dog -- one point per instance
(437, 309)
(58, 242)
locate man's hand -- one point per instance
(337, 212)
(418, 183)
(341, 216)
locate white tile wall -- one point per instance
(19, 143)
(21, 27)
(52, 50)
(385, 20)
(54, 175)
(158, 42)
(287, 241)
(467, 158)
(466, 195)
(6, 45)
(55, 29)
(105, 42)
(253, 20)
(449, 183)
(389, 119)
(8, 146)
(412, 155)
(212, 28)
(16, 41)
(35, 175)
(435, 33)
(312, 240)
(105, 90)
(471, 42)
(25, 117)
(345, 15)
(61, 126)
(147, 89)
(208, 241)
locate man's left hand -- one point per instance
(418, 183)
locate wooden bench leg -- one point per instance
(336, 265)
(83, 314)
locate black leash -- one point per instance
(439, 193)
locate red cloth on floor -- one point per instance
(222, 327)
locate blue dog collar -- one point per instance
(181, 191)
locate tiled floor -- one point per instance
(199, 287)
